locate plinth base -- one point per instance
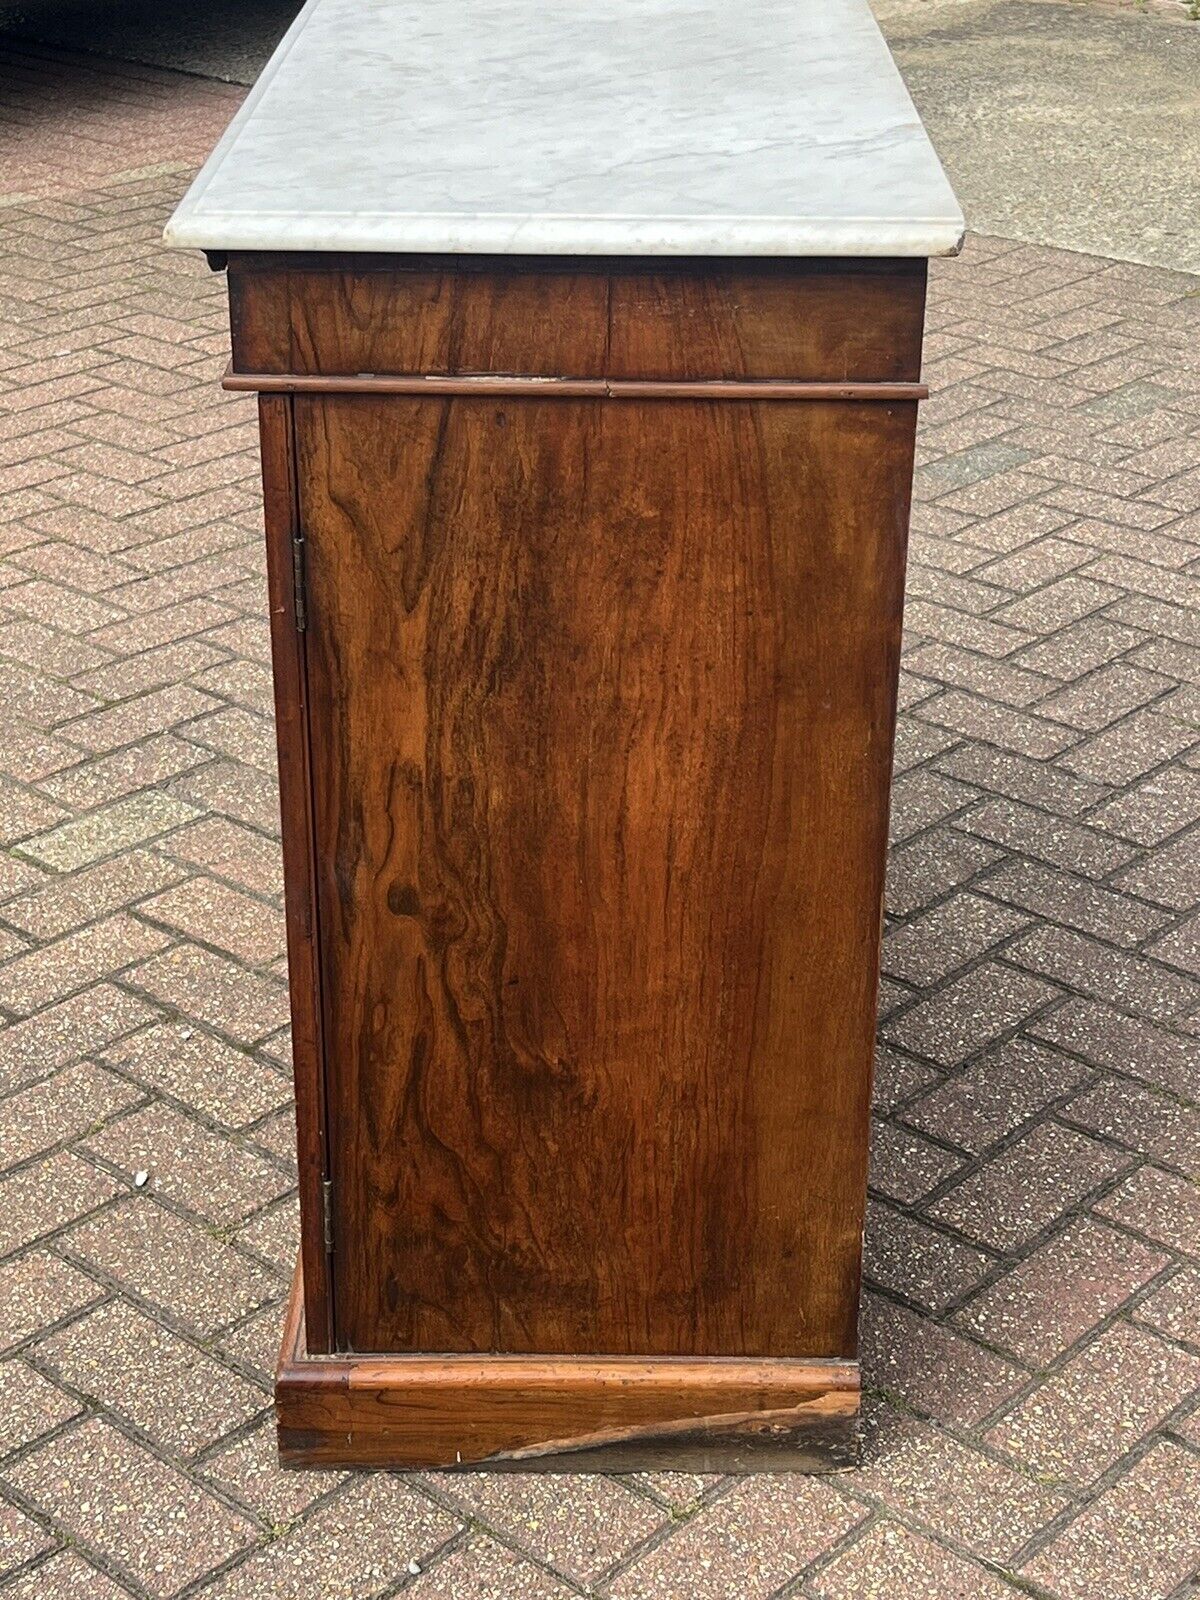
(561, 1413)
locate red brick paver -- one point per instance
(1031, 1338)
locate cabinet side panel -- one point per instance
(260, 328)
(291, 723)
(846, 321)
(602, 701)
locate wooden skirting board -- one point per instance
(561, 1413)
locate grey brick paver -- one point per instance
(1131, 1045)
(361, 1541)
(1161, 1205)
(998, 1092)
(931, 1368)
(198, 1168)
(38, 1288)
(59, 1108)
(932, 946)
(1142, 1119)
(985, 1505)
(1033, 1296)
(180, 1268)
(168, 1388)
(102, 833)
(904, 1166)
(248, 1469)
(970, 1012)
(200, 1071)
(115, 1498)
(1172, 1307)
(925, 1265)
(1137, 1541)
(890, 1560)
(1017, 1193)
(42, 1197)
(581, 1525)
(481, 1569)
(1099, 1405)
(20, 1537)
(1082, 1274)
(752, 1539)
(32, 1406)
(1076, 902)
(66, 1576)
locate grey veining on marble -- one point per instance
(577, 127)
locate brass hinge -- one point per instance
(299, 600)
(327, 1213)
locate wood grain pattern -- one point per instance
(561, 1414)
(585, 758)
(602, 703)
(835, 320)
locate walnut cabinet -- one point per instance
(586, 582)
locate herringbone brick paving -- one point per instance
(1031, 1337)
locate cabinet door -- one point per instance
(602, 699)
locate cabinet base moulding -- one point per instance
(562, 1413)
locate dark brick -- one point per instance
(995, 1095)
(969, 1013)
(1059, 1292)
(1020, 1191)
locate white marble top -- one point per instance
(590, 127)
